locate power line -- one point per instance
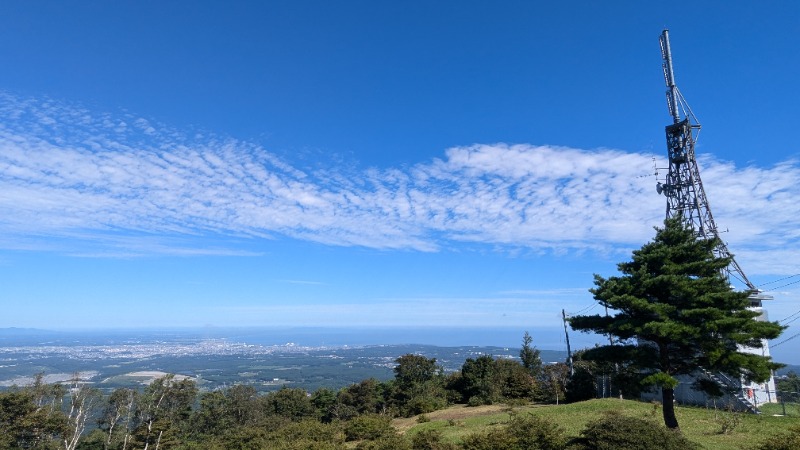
(780, 279)
(587, 309)
(780, 287)
(785, 340)
(787, 318)
(787, 323)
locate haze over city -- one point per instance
(377, 164)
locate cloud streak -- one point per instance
(81, 182)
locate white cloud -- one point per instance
(98, 184)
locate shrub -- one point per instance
(387, 442)
(784, 441)
(727, 420)
(534, 432)
(526, 432)
(618, 432)
(310, 430)
(424, 404)
(369, 426)
(430, 440)
(489, 440)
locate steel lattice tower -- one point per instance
(687, 199)
(683, 187)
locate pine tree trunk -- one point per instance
(668, 408)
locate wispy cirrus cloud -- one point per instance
(82, 182)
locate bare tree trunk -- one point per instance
(668, 408)
(128, 422)
(82, 400)
(158, 440)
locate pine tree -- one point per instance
(673, 300)
(530, 356)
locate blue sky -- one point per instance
(359, 163)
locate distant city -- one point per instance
(217, 358)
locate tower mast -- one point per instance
(683, 187)
(687, 200)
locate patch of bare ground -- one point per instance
(455, 412)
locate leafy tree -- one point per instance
(212, 417)
(83, 400)
(291, 403)
(324, 400)
(673, 297)
(163, 411)
(241, 404)
(478, 380)
(419, 385)
(366, 397)
(24, 423)
(554, 382)
(117, 418)
(513, 380)
(530, 356)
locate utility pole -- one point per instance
(569, 351)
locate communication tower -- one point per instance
(687, 199)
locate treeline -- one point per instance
(171, 413)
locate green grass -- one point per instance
(700, 425)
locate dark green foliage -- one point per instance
(367, 397)
(324, 400)
(418, 385)
(618, 432)
(514, 380)
(117, 417)
(413, 370)
(526, 432)
(784, 441)
(293, 404)
(310, 432)
(485, 380)
(582, 385)
(387, 442)
(163, 412)
(478, 378)
(534, 432)
(94, 440)
(430, 439)
(496, 439)
(369, 426)
(31, 417)
(789, 388)
(530, 356)
(673, 295)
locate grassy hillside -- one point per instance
(700, 425)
